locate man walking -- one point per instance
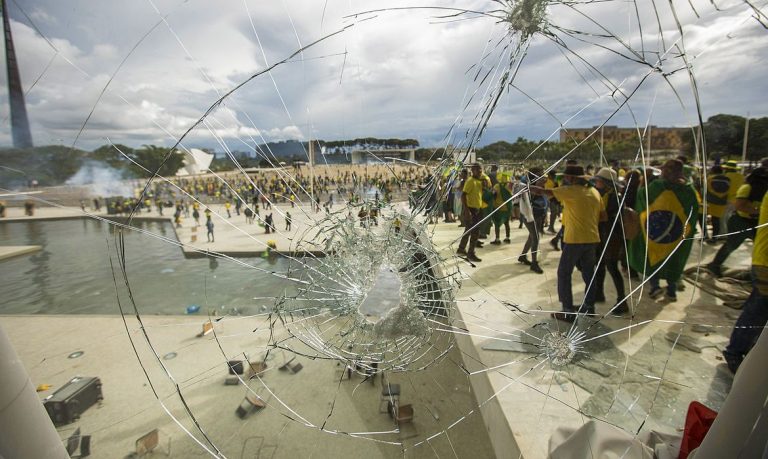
(581, 216)
(611, 249)
(667, 223)
(754, 313)
(472, 206)
(209, 227)
(741, 225)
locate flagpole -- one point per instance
(746, 135)
(649, 140)
(602, 146)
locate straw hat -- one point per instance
(607, 174)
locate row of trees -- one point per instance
(52, 165)
(55, 164)
(140, 162)
(724, 135)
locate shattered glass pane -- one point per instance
(330, 308)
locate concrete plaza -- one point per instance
(639, 370)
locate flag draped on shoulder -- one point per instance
(667, 223)
(717, 194)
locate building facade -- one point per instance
(661, 138)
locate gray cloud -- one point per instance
(401, 74)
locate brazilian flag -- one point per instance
(717, 194)
(668, 217)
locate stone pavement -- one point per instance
(198, 366)
(665, 356)
(625, 378)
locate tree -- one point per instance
(757, 143)
(49, 165)
(724, 134)
(111, 155)
(157, 160)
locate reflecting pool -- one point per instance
(72, 273)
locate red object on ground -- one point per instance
(697, 423)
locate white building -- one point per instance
(195, 162)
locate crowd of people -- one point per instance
(627, 222)
(637, 222)
(252, 192)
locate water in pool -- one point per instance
(72, 274)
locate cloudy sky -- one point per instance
(144, 71)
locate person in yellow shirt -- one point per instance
(741, 225)
(754, 313)
(581, 216)
(472, 212)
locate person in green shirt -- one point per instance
(667, 225)
(502, 204)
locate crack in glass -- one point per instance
(367, 248)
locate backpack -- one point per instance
(631, 220)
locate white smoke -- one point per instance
(101, 180)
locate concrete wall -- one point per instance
(499, 430)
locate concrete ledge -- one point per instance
(17, 250)
(496, 422)
(187, 250)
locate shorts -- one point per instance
(500, 217)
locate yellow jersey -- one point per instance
(737, 179)
(760, 250)
(743, 193)
(473, 190)
(581, 213)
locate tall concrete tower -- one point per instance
(22, 138)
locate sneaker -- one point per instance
(553, 243)
(496, 242)
(564, 316)
(620, 309)
(714, 269)
(669, 298)
(656, 293)
(536, 268)
(523, 259)
(473, 257)
(461, 251)
(507, 241)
